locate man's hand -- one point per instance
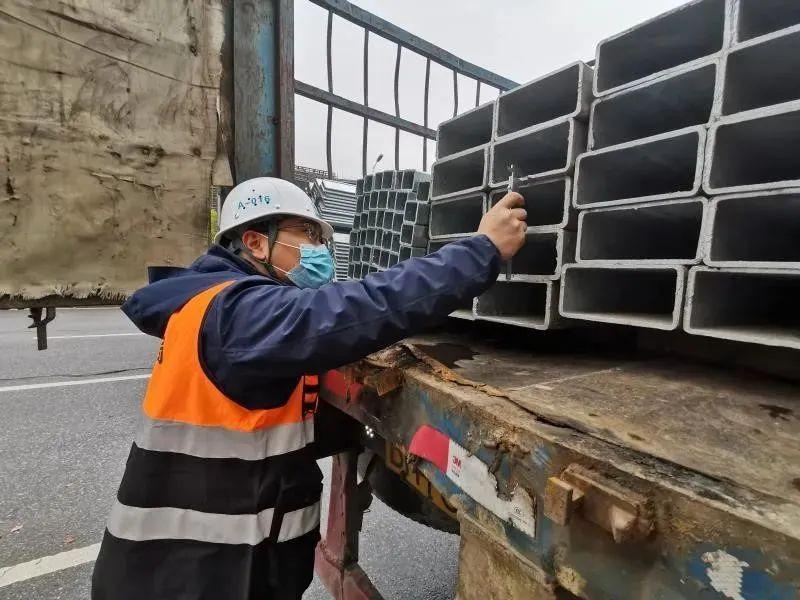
(505, 224)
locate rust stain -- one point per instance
(448, 375)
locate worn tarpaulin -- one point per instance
(108, 132)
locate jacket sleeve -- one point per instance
(257, 331)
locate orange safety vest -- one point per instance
(206, 470)
(180, 391)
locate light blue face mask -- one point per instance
(315, 268)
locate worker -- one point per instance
(220, 497)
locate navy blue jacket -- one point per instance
(260, 335)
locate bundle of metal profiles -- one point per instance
(336, 202)
(661, 185)
(537, 130)
(689, 207)
(391, 220)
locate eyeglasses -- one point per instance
(313, 232)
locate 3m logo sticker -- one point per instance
(456, 466)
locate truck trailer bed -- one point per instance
(705, 458)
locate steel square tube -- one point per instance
(538, 153)
(658, 233)
(359, 187)
(362, 221)
(407, 234)
(412, 178)
(383, 199)
(388, 220)
(548, 204)
(397, 222)
(370, 238)
(368, 183)
(405, 253)
(405, 179)
(758, 17)
(460, 173)
(662, 167)
(529, 305)
(676, 101)
(689, 33)
(395, 243)
(386, 243)
(755, 230)
(748, 305)
(418, 252)
(359, 202)
(414, 235)
(417, 213)
(410, 213)
(457, 217)
(762, 72)
(756, 150)
(372, 218)
(400, 201)
(384, 259)
(391, 201)
(564, 93)
(542, 256)
(356, 254)
(467, 130)
(640, 296)
(422, 189)
(423, 213)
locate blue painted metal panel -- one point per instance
(256, 80)
(692, 553)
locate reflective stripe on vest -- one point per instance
(163, 523)
(185, 413)
(217, 442)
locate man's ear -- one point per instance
(256, 243)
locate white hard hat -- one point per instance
(263, 198)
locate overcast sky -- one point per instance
(519, 39)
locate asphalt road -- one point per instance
(63, 449)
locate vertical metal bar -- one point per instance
(226, 142)
(455, 94)
(366, 103)
(425, 118)
(286, 89)
(478, 93)
(397, 107)
(330, 89)
(336, 561)
(256, 84)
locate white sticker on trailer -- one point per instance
(472, 475)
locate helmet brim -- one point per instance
(327, 229)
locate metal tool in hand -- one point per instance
(513, 182)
